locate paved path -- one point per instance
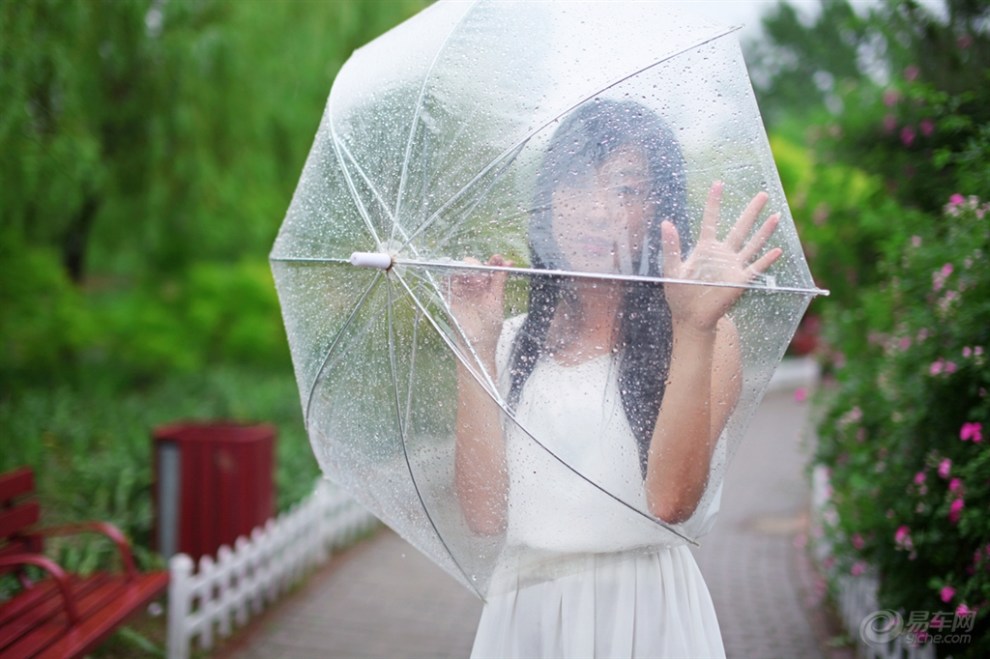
(383, 599)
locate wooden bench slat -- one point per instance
(106, 604)
(28, 603)
(96, 628)
(34, 622)
(47, 622)
(47, 609)
(104, 601)
(42, 609)
(16, 483)
(18, 519)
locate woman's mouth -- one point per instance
(594, 246)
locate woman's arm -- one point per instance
(704, 384)
(704, 379)
(480, 473)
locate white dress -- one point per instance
(605, 588)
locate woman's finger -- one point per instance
(759, 239)
(709, 221)
(737, 236)
(763, 263)
(671, 245)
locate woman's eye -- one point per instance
(630, 192)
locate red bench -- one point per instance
(61, 614)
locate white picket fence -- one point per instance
(857, 595)
(238, 583)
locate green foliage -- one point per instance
(843, 215)
(151, 145)
(213, 314)
(92, 449)
(907, 435)
(150, 151)
(44, 321)
(891, 203)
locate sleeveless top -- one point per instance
(582, 490)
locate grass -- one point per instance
(91, 445)
(91, 448)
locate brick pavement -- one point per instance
(383, 599)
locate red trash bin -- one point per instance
(213, 483)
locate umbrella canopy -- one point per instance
(508, 129)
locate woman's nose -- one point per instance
(602, 204)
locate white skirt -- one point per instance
(652, 604)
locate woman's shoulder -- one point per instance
(510, 329)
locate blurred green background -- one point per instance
(151, 147)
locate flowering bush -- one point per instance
(907, 435)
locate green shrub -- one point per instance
(44, 320)
(907, 436)
(91, 446)
(215, 313)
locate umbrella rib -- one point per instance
(511, 152)
(540, 272)
(402, 436)
(336, 339)
(439, 295)
(338, 148)
(511, 416)
(379, 198)
(506, 156)
(419, 107)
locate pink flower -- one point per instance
(800, 395)
(955, 484)
(957, 200)
(947, 593)
(889, 123)
(963, 610)
(955, 510)
(940, 276)
(857, 541)
(927, 127)
(907, 136)
(911, 73)
(858, 568)
(943, 467)
(971, 430)
(936, 367)
(902, 538)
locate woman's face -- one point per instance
(600, 216)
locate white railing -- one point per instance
(238, 583)
(856, 597)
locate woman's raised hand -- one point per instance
(476, 301)
(734, 260)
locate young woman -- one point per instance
(629, 383)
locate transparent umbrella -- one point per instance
(510, 212)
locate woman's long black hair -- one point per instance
(583, 142)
